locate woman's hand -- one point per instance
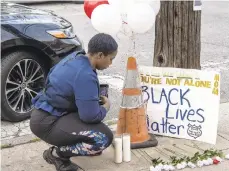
(106, 102)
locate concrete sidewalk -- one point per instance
(28, 156)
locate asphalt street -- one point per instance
(214, 39)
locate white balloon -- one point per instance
(105, 19)
(155, 4)
(121, 6)
(141, 18)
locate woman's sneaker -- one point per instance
(61, 164)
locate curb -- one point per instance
(31, 138)
(8, 143)
(45, 2)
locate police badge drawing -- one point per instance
(181, 103)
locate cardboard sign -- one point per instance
(182, 103)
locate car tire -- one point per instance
(15, 109)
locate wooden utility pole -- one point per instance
(177, 35)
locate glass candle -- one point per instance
(126, 147)
(118, 149)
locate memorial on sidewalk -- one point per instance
(172, 102)
(182, 103)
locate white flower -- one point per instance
(191, 165)
(227, 156)
(180, 166)
(156, 169)
(166, 167)
(219, 159)
(205, 162)
(171, 167)
(159, 167)
(210, 161)
(184, 164)
(153, 169)
(200, 163)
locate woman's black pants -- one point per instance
(69, 134)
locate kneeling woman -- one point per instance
(67, 112)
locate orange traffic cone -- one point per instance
(132, 117)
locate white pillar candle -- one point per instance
(118, 149)
(126, 147)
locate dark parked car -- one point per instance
(32, 41)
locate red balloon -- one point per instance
(90, 5)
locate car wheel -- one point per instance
(23, 76)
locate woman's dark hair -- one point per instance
(102, 42)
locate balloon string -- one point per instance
(132, 38)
